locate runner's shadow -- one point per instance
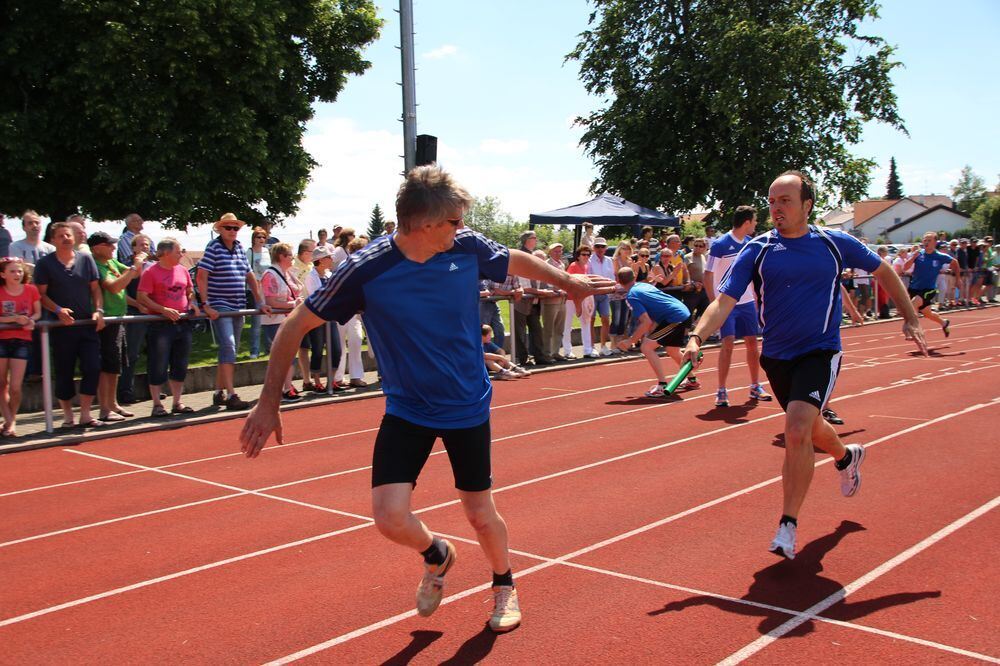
(779, 439)
(474, 650)
(420, 641)
(643, 400)
(934, 353)
(730, 414)
(797, 585)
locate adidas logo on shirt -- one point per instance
(778, 247)
(453, 267)
(814, 395)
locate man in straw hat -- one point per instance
(223, 278)
(422, 281)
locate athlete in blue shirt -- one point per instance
(661, 321)
(742, 321)
(927, 265)
(795, 271)
(417, 290)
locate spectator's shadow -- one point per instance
(730, 414)
(797, 584)
(779, 439)
(420, 641)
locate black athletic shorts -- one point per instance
(669, 334)
(926, 295)
(402, 448)
(809, 378)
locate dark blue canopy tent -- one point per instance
(606, 209)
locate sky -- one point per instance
(493, 86)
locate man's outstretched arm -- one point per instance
(576, 286)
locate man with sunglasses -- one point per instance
(417, 292)
(742, 321)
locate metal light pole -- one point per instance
(409, 84)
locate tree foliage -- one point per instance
(706, 102)
(488, 217)
(376, 224)
(986, 218)
(969, 192)
(893, 187)
(177, 109)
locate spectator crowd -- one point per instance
(65, 275)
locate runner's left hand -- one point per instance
(913, 331)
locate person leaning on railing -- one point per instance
(20, 308)
(165, 289)
(68, 283)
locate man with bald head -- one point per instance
(795, 271)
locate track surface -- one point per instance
(640, 530)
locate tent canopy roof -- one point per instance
(606, 209)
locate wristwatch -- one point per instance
(101, 310)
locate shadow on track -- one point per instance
(474, 650)
(797, 585)
(420, 640)
(730, 414)
(779, 439)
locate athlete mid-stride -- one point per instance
(795, 272)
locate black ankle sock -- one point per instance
(436, 553)
(788, 519)
(843, 462)
(503, 579)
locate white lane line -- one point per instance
(343, 638)
(876, 573)
(890, 416)
(786, 611)
(397, 618)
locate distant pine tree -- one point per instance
(376, 225)
(893, 188)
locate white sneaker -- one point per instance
(783, 544)
(506, 375)
(606, 351)
(570, 356)
(656, 392)
(721, 398)
(594, 354)
(432, 584)
(519, 371)
(850, 477)
(506, 609)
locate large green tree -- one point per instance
(178, 109)
(970, 191)
(706, 102)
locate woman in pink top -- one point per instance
(21, 306)
(584, 309)
(281, 291)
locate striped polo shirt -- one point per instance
(227, 275)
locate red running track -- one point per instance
(639, 527)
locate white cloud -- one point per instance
(440, 52)
(504, 147)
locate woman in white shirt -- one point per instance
(315, 279)
(584, 309)
(281, 290)
(350, 333)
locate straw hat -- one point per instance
(228, 218)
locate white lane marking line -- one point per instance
(343, 638)
(890, 416)
(186, 477)
(779, 609)
(272, 549)
(552, 388)
(879, 571)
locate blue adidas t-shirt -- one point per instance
(797, 282)
(423, 323)
(926, 268)
(661, 307)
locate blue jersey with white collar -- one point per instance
(797, 285)
(926, 268)
(423, 324)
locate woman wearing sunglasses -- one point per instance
(583, 309)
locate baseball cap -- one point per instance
(321, 252)
(100, 237)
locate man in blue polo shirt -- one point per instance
(418, 293)
(927, 266)
(795, 270)
(742, 321)
(661, 321)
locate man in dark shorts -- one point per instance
(927, 265)
(661, 319)
(418, 293)
(795, 270)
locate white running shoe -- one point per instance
(758, 393)
(605, 351)
(506, 609)
(656, 392)
(506, 375)
(721, 398)
(783, 544)
(570, 356)
(594, 354)
(519, 371)
(850, 477)
(432, 584)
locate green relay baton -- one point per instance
(681, 375)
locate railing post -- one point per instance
(329, 358)
(46, 380)
(512, 332)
